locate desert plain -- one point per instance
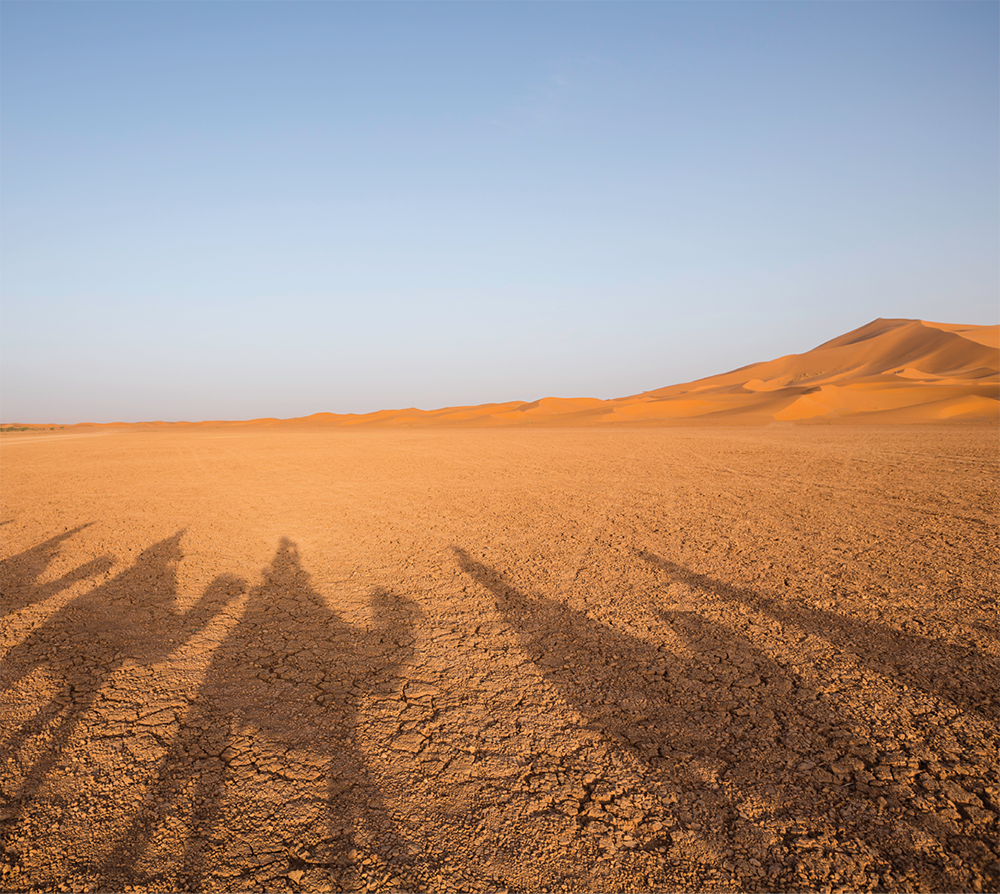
(561, 655)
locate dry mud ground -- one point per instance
(434, 660)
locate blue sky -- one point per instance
(233, 210)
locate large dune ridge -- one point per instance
(888, 371)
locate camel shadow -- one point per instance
(266, 773)
(952, 672)
(19, 574)
(711, 719)
(80, 647)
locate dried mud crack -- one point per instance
(728, 660)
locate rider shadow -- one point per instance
(958, 674)
(19, 574)
(708, 722)
(267, 775)
(80, 647)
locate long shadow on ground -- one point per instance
(19, 574)
(132, 617)
(948, 670)
(715, 721)
(266, 773)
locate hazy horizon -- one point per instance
(220, 211)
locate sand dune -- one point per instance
(884, 366)
(889, 370)
(903, 371)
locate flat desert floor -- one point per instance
(587, 660)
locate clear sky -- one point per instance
(234, 210)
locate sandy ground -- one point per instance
(607, 660)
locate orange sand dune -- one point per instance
(889, 370)
(886, 371)
(984, 335)
(892, 370)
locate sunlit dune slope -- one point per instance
(904, 371)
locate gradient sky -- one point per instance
(238, 210)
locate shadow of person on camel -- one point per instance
(267, 775)
(19, 574)
(953, 671)
(131, 618)
(728, 738)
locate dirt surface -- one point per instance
(602, 660)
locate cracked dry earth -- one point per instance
(674, 659)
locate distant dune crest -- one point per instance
(891, 371)
(886, 371)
